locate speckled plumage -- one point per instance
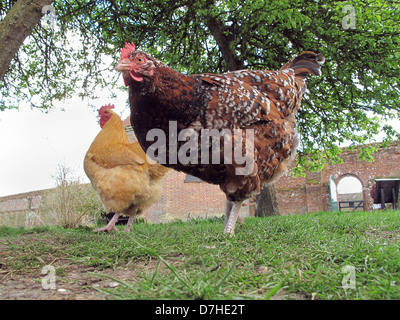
(263, 101)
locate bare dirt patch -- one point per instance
(21, 275)
(77, 283)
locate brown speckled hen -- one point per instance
(245, 102)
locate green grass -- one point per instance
(293, 257)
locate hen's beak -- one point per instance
(126, 66)
(123, 66)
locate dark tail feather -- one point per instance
(306, 63)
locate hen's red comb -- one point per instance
(109, 106)
(129, 47)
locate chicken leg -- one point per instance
(129, 224)
(130, 221)
(231, 216)
(228, 209)
(111, 225)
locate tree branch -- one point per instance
(16, 26)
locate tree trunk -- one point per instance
(224, 44)
(266, 202)
(16, 26)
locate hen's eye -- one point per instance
(140, 60)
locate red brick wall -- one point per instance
(311, 194)
(192, 198)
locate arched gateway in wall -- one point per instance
(350, 196)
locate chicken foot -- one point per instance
(111, 225)
(231, 216)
